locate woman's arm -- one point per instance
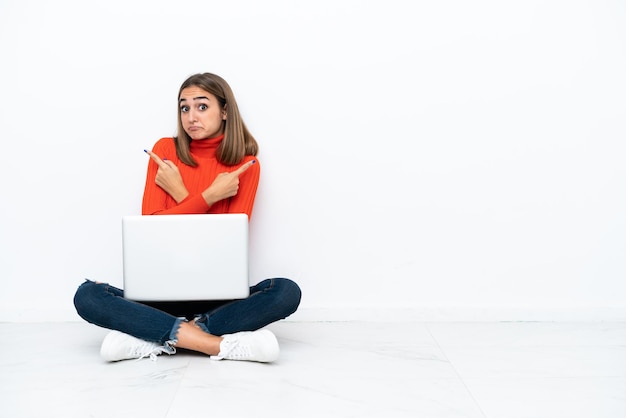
(156, 200)
(243, 201)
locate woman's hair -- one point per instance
(238, 141)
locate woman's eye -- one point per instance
(203, 107)
(184, 109)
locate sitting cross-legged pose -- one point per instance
(209, 167)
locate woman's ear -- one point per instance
(224, 114)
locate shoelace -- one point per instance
(146, 350)
(238, 351)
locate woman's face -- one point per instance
(200, 113)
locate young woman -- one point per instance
(210, 167)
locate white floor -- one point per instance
(329, 369)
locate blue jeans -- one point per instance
(104, 305)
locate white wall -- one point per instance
(423, 159)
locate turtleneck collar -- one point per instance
(205, 148)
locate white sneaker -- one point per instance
(119, 346)
(259, 346)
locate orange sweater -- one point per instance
(197, 179)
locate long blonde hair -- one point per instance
(238, 141)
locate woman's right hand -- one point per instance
(168, 178)
(225, 185)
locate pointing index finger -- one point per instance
(243, 168)
(155, 158)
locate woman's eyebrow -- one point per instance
(195, 98)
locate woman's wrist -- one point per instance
(209, 197)
(180, 196)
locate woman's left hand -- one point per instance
(168, 178)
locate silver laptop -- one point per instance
(185, 257)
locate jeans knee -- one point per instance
(290, 295)
(85, 297)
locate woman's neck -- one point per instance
(205, 148)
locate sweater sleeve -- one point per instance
(157, 201)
